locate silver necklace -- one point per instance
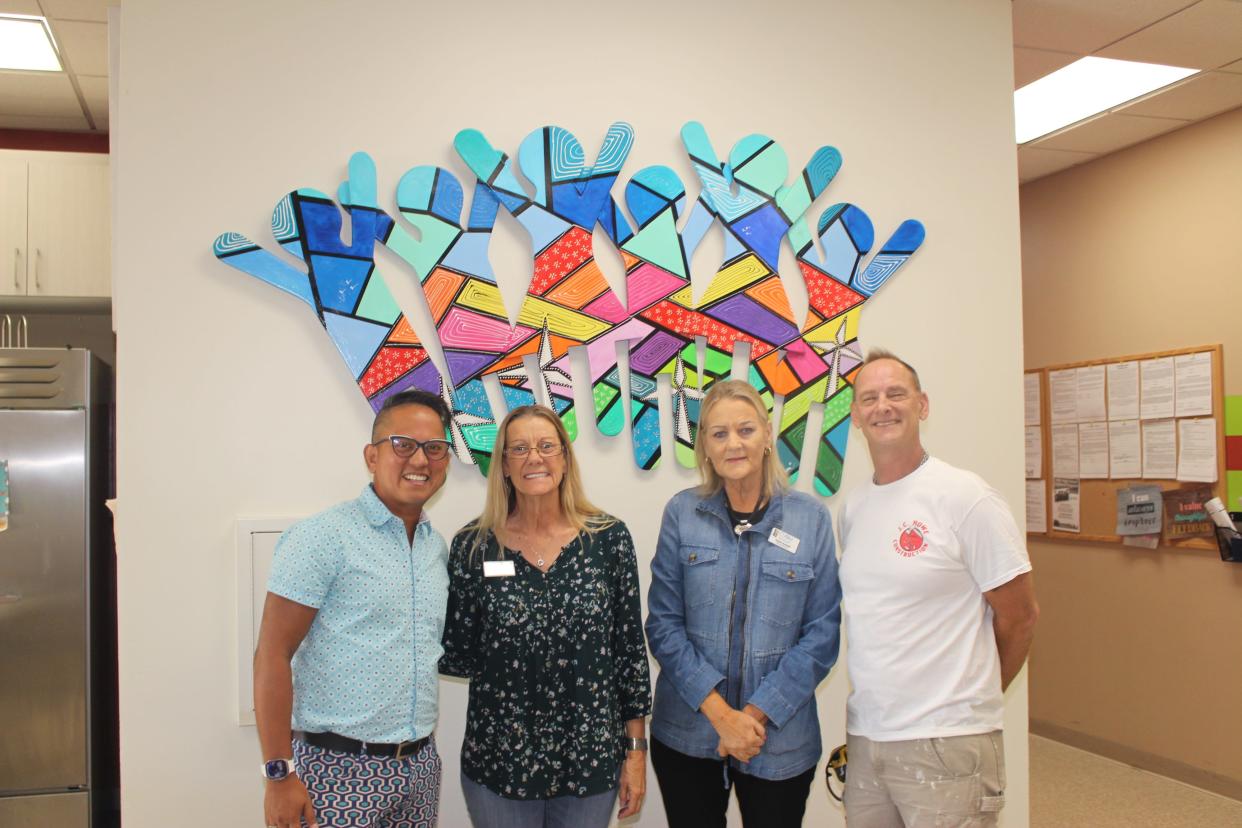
(925, 458)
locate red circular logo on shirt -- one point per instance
(912, 539)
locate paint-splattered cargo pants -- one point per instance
(951, 782)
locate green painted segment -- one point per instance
(827, 470)
(612, 421)
(1233, 482)
(485, 463)
(797, 406)
(377, 303)
(795, 434)
(423, 255)
(718, 363)
(570, 420)
(685, 455)
(660, 244)
(838, 408)
(480, 438)
(758, 383)
(1233, 416)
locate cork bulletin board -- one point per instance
(1098, 497)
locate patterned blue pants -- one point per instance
(350, 791)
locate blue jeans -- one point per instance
(491, 810)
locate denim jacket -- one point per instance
(789, 623)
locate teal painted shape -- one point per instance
(257, 262)
(543, 227)
(760, 163)
(482, 159)
(613, 421)
(414, 190)
(659, 244)
(377, 303)
(469, 255)
(362, 186)
(357, 340)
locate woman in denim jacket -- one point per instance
(744, 620)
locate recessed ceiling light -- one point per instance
(26, 43)
(1086, 87)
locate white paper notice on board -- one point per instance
(1090, 393)
(1034, 452)
(1065, 450)
(1036, 506)
(1123, 391)
(1156, 389)
(1196, 450)
(1065, 504)
(1063, 395)
(1093, 450)
(1194, 384)
(1030, 395)
(1160, 449)
(1125, 458)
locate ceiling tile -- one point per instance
(1084, 26)
(44, 94)
(1204, 36)
(1196, 98)
(1034, 162)
(84, 45)
(96, 10)
(95, 91)
(1032, 64)
(77, 124)
(19, 7)
(1108, 133)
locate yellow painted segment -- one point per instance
(561, 321)
(483, 296)
(683, 297)
(734, 278)
(827, 332)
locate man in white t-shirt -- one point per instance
(939, 615)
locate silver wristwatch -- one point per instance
(635, 743)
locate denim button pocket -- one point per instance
(700, 572)
(782, 591)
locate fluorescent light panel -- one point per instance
(1084, 88)
(25, 43)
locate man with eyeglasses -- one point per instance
(345, 675)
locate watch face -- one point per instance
(276, 769)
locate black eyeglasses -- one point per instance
(403, 446)
(546, 449)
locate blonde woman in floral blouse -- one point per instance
(545, 621)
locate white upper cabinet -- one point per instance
(12, 227)
(54, 225)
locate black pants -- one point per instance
(695, 795)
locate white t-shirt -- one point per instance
(917, 556)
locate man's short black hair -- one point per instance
(414, 396)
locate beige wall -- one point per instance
(232, 402)
(1138, 653)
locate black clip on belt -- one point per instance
(344, 744)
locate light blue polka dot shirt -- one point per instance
(367, 668)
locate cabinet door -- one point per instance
(12, 227)
(70, 250)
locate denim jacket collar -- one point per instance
(717, 505)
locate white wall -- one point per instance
(232, 402)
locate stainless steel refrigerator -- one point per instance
(58, 766)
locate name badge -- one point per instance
(784, 540)
(498, 569)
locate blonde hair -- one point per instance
(501, 500)
(774, 477)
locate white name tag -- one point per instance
(784, 540)
(498, 569)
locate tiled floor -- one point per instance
(1070, 788)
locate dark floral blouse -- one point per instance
(557, 663)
